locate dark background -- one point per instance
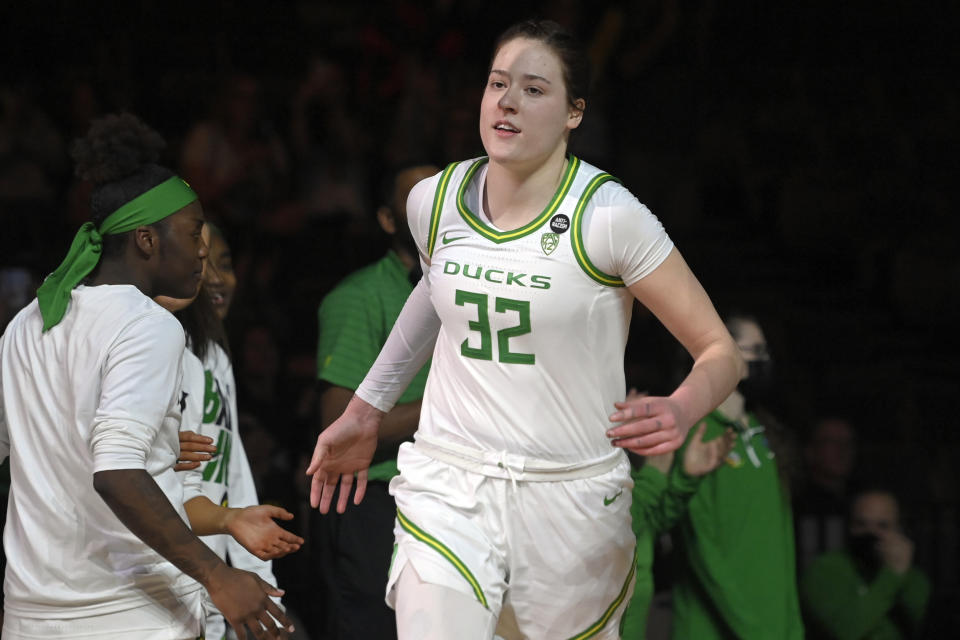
(802, 156)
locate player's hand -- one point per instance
(896, 550)
(649, 425)
(254, 528)
(244, 600)
(343, 449)
(700, 458)
(195, 449)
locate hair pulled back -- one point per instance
(119, 157)
(573, 58)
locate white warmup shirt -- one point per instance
(529, 358)
(99, 391)
(226, 479)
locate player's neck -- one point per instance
(514, 196)
(117, 272)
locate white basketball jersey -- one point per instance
(529, 358)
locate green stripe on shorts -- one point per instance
(598, 626)
(443, 550)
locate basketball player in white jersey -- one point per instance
(514, 500)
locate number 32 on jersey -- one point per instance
(482, 326)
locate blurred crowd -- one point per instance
(804, 166)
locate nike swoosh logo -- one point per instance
(608, 501)
(445, 240)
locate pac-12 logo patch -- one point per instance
(549, 242)
(559, 223)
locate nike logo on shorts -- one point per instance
(608, 501)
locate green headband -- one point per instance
(151, 206)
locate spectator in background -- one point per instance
(354, 322)
(870, 589)
(234, 160)
(33, 163)
(329, 144)
(820, 507)
(33, 158)
(17, 286)
(737, 574)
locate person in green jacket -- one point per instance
(659, 501)
(870, 590)
(737, 573)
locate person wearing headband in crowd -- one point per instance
(513, 503)
(211, 451)
(97, 535)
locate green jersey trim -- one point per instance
(500, 237)
(576, 238)
(598, 626)
(438, 199)
(443, 550)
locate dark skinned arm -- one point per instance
(142, 507)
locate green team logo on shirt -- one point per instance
(496, 276)
(549, 242)
(215, 412)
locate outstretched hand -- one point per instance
(343, 449)
(254, 528)
(195, 449)
(650, 425)
(700, 458)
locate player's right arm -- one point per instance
(142, 507)
(397, 425)
(347, 446)
(140, 373)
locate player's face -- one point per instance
(219, 278)
(177, 304)
(182, 253)
(525, 114)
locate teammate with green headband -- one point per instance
(161, 201)
(90, 405)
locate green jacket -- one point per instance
(737, 576)
(840, 604)
(659, 502)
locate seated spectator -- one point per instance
(821, 504)
(870, 589)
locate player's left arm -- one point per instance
(625, 238)
(673, 294)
